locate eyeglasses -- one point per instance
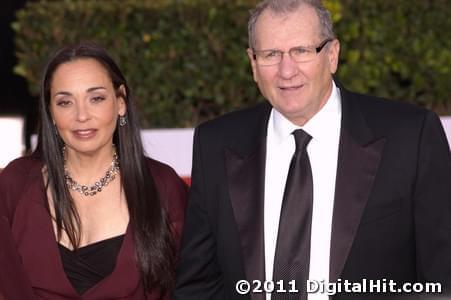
(298, 54)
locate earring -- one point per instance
(55, 128)
(122, 121)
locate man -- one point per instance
(319, 183)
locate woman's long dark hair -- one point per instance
(155, 252)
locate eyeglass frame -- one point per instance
(317, 50)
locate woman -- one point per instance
(87, 215)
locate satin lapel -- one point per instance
(246, 187)
(359, 156)
(357, 167)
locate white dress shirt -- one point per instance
(324, 127)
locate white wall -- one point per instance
(172, 146)
(12, 139)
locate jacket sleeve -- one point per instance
(432, 201)
(14, 283)
(198, 275)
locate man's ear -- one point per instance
(333, 55)
(250, 54)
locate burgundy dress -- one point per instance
(30, 261)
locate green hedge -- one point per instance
(398, 49)
(186, 60)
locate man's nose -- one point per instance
(288, 68)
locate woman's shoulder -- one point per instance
(15, 180)
(21, 169)
(162, 172)
(172, 190)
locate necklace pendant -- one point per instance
(98, 186)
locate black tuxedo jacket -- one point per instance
(392, 207)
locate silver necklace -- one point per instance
(98, 186)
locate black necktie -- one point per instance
(292, 257)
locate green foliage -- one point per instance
(398, 49)
(186, 59)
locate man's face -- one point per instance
(297, 90)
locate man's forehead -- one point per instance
(300, 26)
(304, 14)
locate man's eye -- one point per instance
(299, 51)
(270, 54)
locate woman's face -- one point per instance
(84, 106)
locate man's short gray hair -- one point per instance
(287, 6)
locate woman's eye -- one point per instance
(63, 103)
(97, 98)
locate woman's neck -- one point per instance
(86, 168)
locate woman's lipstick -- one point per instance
(84, 133)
